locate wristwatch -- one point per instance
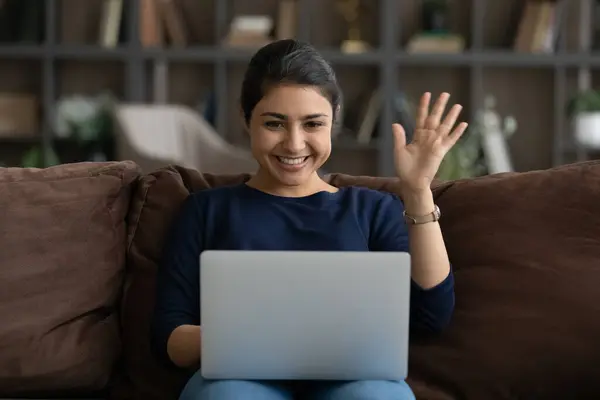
(423, 219)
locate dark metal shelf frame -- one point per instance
(387, 58)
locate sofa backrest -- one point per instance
(526, 253)
(525, 248)
(62, 263)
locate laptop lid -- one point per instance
(304, 315)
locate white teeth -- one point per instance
(292, 161)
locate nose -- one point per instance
(294, 141)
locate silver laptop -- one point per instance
(304, 315)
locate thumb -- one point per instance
(399, 136)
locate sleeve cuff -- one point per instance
(432, 309)
(443, 286)
(159, 343)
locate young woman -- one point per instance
(290, 101)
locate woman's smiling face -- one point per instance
(290, 132)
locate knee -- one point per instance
(366, 390)
(238, 389)
(199, 389)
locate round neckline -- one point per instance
(315, 197)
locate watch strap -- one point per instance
(423, 219)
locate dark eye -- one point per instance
(313, 124)
(274, 124)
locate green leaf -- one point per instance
(34, 158)
(585, 102)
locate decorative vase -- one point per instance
(587, 129)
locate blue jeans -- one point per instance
(199, 389)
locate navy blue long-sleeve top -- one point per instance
(243, 218)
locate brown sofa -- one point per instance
(80, 243)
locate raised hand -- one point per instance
(418, 162)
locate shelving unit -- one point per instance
(533, 87)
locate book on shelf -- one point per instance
(539, 26)
(249, 31)
(151, 31)
(160, 22)
(258, 30)
(436, 43)
(174, 23)
(110, 24)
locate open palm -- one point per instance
(417, 163)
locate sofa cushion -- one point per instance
(62, 235)
(526, 253)
(155, 204)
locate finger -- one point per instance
(450, 120)
(423, 110)
(457, 133)
(399, 136)
(437, 111)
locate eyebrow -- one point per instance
(284, 117)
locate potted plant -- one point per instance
(87, 120)
(584, 109)
(463, 160)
